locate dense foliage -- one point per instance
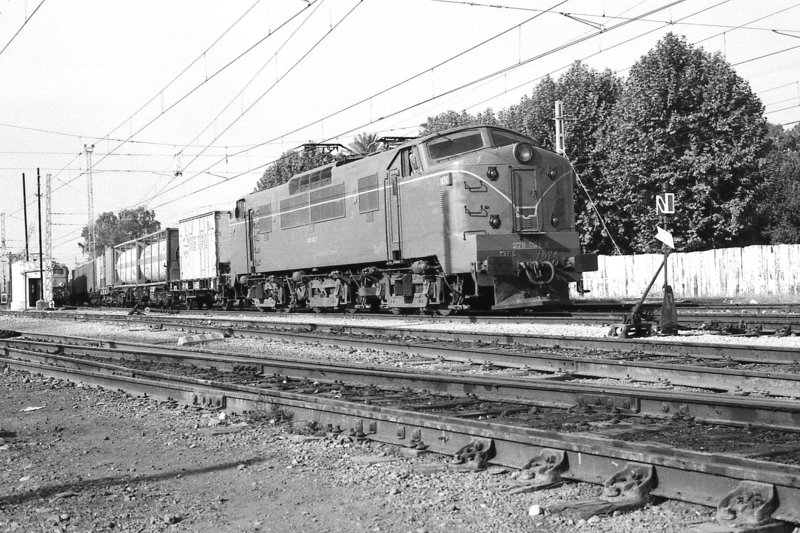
(291, 163)
(682, 121)
(781, 194)
(688, 124)
(111, 229)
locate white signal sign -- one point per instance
(665, 203)
(665, 237)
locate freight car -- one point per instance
(470, 218)
(186, 266)
(204, 252)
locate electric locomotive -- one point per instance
(470, 218)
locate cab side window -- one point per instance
(409, 162)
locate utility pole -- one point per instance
(5, 289)
(560, 137)
(25, 211)
(48, 227)
(41, 256)
(90, 239)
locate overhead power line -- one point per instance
(207, 79)
(20, 28)
(412, 106)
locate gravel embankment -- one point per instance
(93, 460)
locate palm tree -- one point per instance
(365, 143)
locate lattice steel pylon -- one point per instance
(90, 238)
(48, 240)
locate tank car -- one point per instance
(470, 218)
(142, 267)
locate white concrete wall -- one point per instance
(761, 273)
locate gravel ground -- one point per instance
(95, 460)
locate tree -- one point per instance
(588, 97)
(533, 116)
(365, 143)
(687, 123)
(780, 198)
(446, 121)
(293, 162)
(111, 229)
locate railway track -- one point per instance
(540, 389)
(740, 319)
(475, 432)
(409, 331)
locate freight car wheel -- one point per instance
(445, 311)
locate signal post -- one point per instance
(665, 205)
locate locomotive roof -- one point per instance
(462, 128)
(411, 142)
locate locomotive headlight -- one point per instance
(523, 152)
(554, 221)
(492, 173)
(494, 221)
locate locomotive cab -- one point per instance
(513, 207)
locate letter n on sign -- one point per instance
(665, 203)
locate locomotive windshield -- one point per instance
(455, 143)
(504, 138)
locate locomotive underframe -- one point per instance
(420, 285)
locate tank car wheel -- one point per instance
(396, 310)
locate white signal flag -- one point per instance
(665, 237)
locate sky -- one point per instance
(186, 102)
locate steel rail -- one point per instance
(652, 345)
(736, 381)
(689, 318)
(683, 475)
(704, 407)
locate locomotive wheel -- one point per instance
(445, 311)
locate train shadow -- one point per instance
(67, 489)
